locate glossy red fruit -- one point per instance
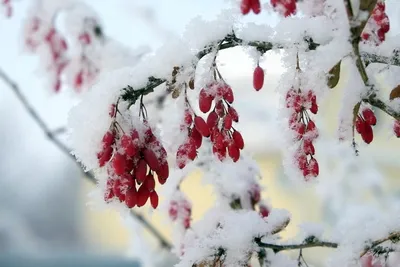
(150, 182)
(258, 78)
(119, 163)
(197, 138)
(128, 146)
(313, 167)
(205, 101)
(264, 211)
(142, 195)
(238, 139)
(151, 159)
(233, 152)
(108, 139)
(141, 170)
(302, 161)
(227, 122)
(127, 180)
(256, 6)
(368, 134)
(369, 116)
(188, 118)
(359, 125)
(219, 108)
(396, 128)
(220, 153)
(233, 113)
(201, 126)
(308, 147)
(218, 139)
(105, 156)
(163, 171)
(228, 94)
(310, 126)
(154, 199)
(212, 119)
(245, 6)
(131, 197)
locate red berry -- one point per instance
(228, 94)
(128, 146)
(119, 164)
(205, 101)
(302, 161)
(219, 108)
(264, 211)
(131, 197)
(105, 156)
(151, 159)
(233, 113)
(113, 110)
(197, 138)
(154, 199)
(218, 139)
(258, 78)
(227, 122)
(142, 195)
(369, 116)
(245, 6)
(188, 117)
(141, 170)
(192, 153)
(396, 128)
(201, 126)
(256, 6)
(368, 134)
(310, 126)
(308, 147)
(233, 152)
(359, 125)
(108, 139)
(150, 182)
(220, 153)
(163, 171)
(313, 167)
(212, 119)
(297, 103)
(237, 137)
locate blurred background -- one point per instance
(43, 204)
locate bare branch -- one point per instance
(51, 135)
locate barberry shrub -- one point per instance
(133, 158)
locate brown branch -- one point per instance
(51, 135)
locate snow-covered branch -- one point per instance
(52, 136)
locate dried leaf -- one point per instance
(334, 75)
(395, 93)
(281, 227)
(191, 83)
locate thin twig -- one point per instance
(52, 137)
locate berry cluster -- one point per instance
(32, 39)
(180, 210)
(306, 131)
(7, 7)
(248, 5)
(284, 7)
(377, 25)
(132, 158)
(364, 123)
(58, 50)
(219, 121)
(88, 71)
(258, 78)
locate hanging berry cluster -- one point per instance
(284, 7)
(180, 210)
(87, 71)
(132, 158)
(364, 123)
(58, 52)
(248, 5)
(306, 132)
(220, 120)
(377, 25)
(7, 7)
